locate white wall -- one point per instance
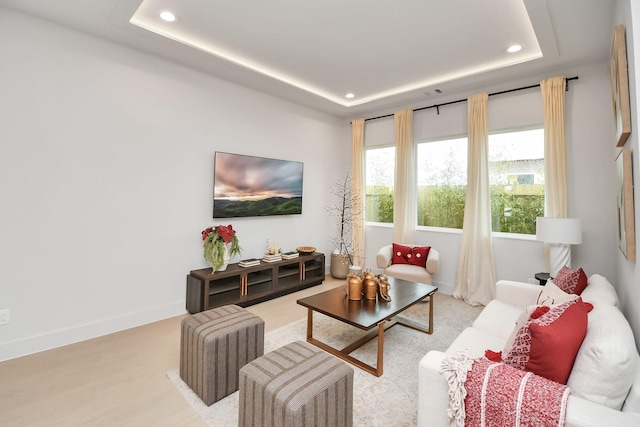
(591, 181)
(106, 170)
(627, 272)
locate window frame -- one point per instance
(447, 230)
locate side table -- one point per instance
(542, 278)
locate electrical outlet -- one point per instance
(4, 316)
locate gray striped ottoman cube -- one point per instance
(296, 385)
(214, 345)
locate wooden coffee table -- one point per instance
(366, 315)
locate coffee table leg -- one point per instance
(379, 363)
(430, 330)
(309, 324)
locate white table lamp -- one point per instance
(560, 233)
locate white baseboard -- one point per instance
(444, 288)
(35, 344)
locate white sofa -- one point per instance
(412, 273)
(604, 381)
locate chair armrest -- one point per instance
(519, 294)
(383, 258)
(433, 261)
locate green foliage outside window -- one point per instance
(516, 211)
(441, 206)
(379, 204)
(513, 209)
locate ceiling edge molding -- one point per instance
(541, 20)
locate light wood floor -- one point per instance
(118, 379)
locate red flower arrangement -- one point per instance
(216, 241)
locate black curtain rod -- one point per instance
(437, 106)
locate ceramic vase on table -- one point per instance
(339, 265)
(225, 262)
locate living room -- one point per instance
(107, 164)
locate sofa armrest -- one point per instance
(383, 258)
(582, 413)
(433, 391)
(433, 261)
(518, 294)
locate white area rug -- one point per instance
(377, 401)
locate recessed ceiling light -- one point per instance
(514, 48)
(349, 95)
(165, 15)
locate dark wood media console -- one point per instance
(245, 286)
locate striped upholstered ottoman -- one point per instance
(296, 385)
(214, 345)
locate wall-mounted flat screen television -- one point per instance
(255, 186)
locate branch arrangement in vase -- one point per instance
(345, 209)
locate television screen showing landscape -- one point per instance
(255, 186)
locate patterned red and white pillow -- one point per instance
(553, 295)
(571, 281)
(547, 344)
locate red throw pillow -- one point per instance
(555, 343)
(548, 343)
(408, 255)
(571, 281)
(418, 255)
(400, 253)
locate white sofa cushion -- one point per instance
(475, 340)
(517, 293)
(607, 361)
(412, 273)
(632, 404)
(600, 292)
(497, 319)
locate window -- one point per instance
(516, 177)
(379, 179)
(442, 182)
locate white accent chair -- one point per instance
(412, 273)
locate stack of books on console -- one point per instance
(272, 257)
(250, 262)
(290, 255)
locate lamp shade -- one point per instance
(566, 231)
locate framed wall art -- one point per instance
(620, 86)
(624, 197)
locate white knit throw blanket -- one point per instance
(484, 393)
(455, 368)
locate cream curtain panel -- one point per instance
(357, 180)
(404, 195)
(476, 278)
(555, 154)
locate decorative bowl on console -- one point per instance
(305, 250)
